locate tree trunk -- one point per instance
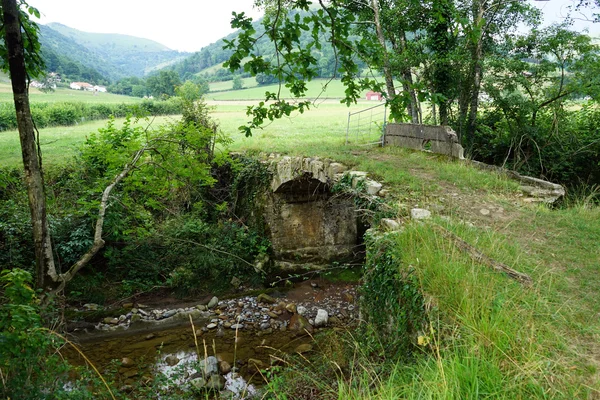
(387, 71)
(476, 55)
(29, 147)
(413, 107)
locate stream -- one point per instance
(239, 336)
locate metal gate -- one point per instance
(367, 127)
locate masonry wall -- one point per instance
(435, 138)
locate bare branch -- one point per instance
(98, 241)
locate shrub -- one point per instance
(71, 113)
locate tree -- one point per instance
(534, 76)
(23, 59)
(18, 52)
(163, 84)
(189, 91)
(48, 82)
(444, 62)
(238, 83)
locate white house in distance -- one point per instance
(88, 87)
(374, 96)
(81, 86)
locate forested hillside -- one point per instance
(113, 56)
(63, 55)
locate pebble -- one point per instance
(237, 326)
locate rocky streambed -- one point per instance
(237, 336)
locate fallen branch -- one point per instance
(98, 241)
(479, 257)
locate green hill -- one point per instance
(72, 60)
(113, 55)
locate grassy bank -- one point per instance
(487, 336)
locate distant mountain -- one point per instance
(113, 55)
(76, 62)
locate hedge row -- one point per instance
(72, 113)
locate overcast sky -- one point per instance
(187, 25)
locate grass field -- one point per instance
(59, 143)
(228, 85)
(316, 88)
(324, 125)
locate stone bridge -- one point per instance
(308, 224)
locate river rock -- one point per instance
(171, 360)
(198, 383)
(127, 362)
(126, 389)
(201, 307)
(347, 297)
(265, 325)
(254, 366)
(321, 318)
(212, 325)
(91, 307)
(299, 323)
(209, 366)
(127, 305)
(265, 298)
(303, 348)
(215, 382)
(291, 308)
(213, 302)
(129, 373)
(237, 326)
(301, 310)
(224, 367)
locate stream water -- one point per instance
(149, 352)
(134, 357)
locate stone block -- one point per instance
(420, 214)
